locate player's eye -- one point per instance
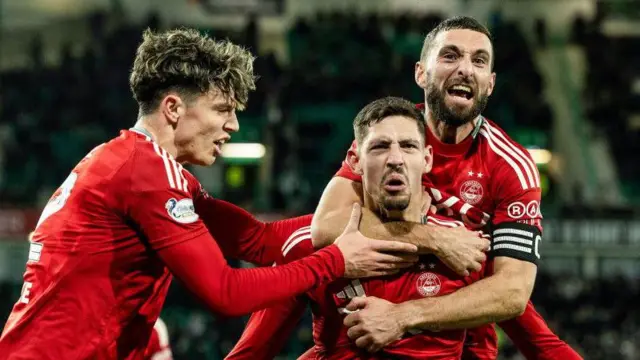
(480, 61)
(449, 56)
(379, 146)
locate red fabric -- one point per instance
(243, 236)
(489, 175)
(95, 285)
(269, 328)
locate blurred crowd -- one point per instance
(51, 116)
(612, 94)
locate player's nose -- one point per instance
(395, 157)
(232, 125)
(465, 66)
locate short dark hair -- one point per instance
(380, 109)
(191, 64)
(454, 23)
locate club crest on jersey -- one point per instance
(428, 284)
(181, 211)
(471, 192)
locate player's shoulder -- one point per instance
(297, 245)
(154, 167)
(506, 157)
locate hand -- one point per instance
(460, 249)
(374, 323)
(366, 257)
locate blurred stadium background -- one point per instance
(568, 88)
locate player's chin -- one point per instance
(204, 160)
(398, 201)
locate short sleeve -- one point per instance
(160, 199)
(345, 170)
(516, 225)
(518, 194)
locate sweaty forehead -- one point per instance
(464, 39)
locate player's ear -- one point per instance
(428, 158)
(173, 108)
(420, 75)
(492, 83)
(353, 160)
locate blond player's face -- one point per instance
(206, 124)
(392, 161)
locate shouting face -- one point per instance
(457, 75)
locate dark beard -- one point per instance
(436, 104)
(396, 203)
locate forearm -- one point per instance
(243, 236)
(496, 298)
(232, 292)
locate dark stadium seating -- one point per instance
(610, 97)
(338, 62)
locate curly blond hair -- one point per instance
(191, 64)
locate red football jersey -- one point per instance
(91, 290)
(94, 283)
(159, 348)
(267, 329)
(489, 179)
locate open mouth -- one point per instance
(218, 146)
(461, 91)
(395, 183)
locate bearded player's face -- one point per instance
(457, 75)
(392, 159)
(204, 126)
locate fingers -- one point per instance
(351, 319)
(354, 220)
(393, 246)
(357, 303)
(475, 267)
(355, 332)
(367, 342)
(486, 245)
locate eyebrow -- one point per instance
(409, 142)
(224, 106)
(457, 50)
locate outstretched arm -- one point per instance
(243, 236)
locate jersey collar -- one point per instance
(141, 131)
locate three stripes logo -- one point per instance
(353, 289)
(516, 240)
(173, 169)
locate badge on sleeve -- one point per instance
(182, 211)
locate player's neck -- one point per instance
(160, 134)
(413, 213)
(449, 134)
